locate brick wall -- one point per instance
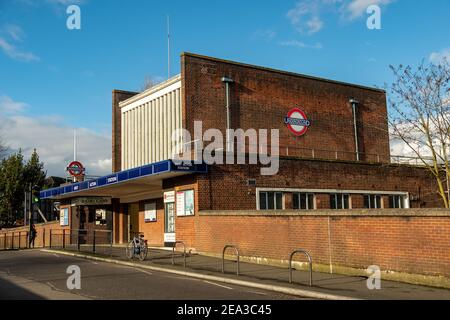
(261, 98)
(153, 231)
(117, 97)
(225, 186)
(412, 241)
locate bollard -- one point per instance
(93, 242)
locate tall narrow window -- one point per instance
(372, 201)
(303, 201)
(270, 200)
(396, 202)
(339, 201)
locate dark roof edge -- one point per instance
(282, 72)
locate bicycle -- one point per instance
(137, 247)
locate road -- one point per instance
(38, 275)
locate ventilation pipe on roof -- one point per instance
(227, 82)
(354, 104)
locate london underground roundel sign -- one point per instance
(75, 169)
(297, 122)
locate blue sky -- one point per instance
(53, 79)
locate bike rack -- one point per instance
(310, 265)
(173, 252)
(236, 249)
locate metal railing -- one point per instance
(14, 240)
(184, 252)
(310, 265)
(413, 161)
(193, 151)
(93, 241)
(236, 249)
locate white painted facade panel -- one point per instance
(148, 122)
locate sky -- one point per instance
(53, 80)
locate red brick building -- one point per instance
(341, 162)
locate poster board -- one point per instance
(150, 212)
(169, 197)
(185, 203)
(64, 217)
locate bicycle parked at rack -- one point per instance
(137, 247)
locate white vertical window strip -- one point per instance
(123, 144)
(174, 121)
(163, 128)
(132, 135)
(158, 130)
(147, 131)
(146, 134)
(136, 139)
(168, 120)
(166, 107)
(177, 119)
(141, 135)
(173, 126)
(128, 140)
(153, 131)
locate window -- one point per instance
(372, 201)
(270, 201)
(339, 201)
(100, 217)
(396, 202)
(303, 201)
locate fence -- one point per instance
(14, 240)
(94, 241)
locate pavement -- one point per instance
(38, 275)
(272, 279)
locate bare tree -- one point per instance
(420, 117)
(149, 82)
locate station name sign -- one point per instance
(91, 201)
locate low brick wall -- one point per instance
(413, 241)
(16, 238)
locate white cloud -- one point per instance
(300, 44)
(64, 2)
(439, 57)
(11, 51)
(314, 25)
(54, 141)
(14, 32)
(9, 106)
(356, 8)
(306, 16)
(267, 34)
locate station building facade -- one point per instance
(341, 160)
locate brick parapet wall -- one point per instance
(413, 241)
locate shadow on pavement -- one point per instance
(11, 291)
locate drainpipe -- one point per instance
(354, 104)
(227, 82)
